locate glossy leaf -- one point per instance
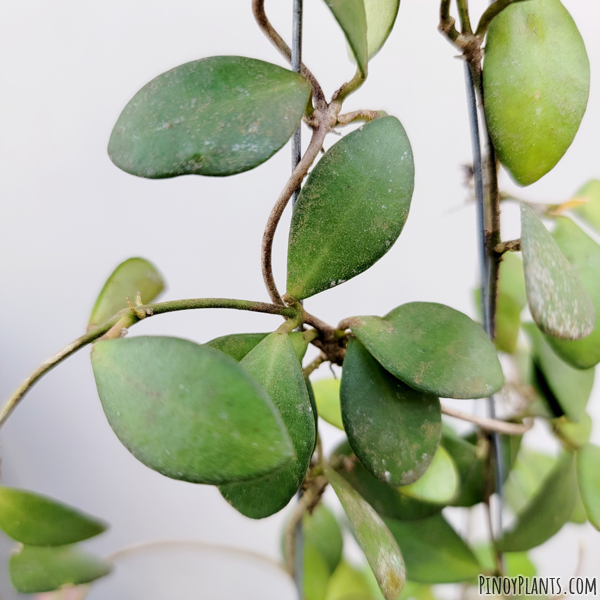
(188, 411)
(584, 255)
(348, 583)
(216, 116)
(439, 484)
(590, 211)
(39, 521)
(536, 80)
(381, 16)
(351, 209)
(130, 277)
(433, 551)
(374, 538)
(378, 410)
(35, 570)
(559, 302)
(563, 385)
(327, 397)
(323, 531)
(546, 513)
(588, 477)
(351, 16)
(434, 349)
(273, 363)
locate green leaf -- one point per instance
(433, 551)
(327, 397)
(316, 573)
(562, 384)
(351, 209)
(378, 410)
(130, 277)
(351, 16)
(348, 583)
(434, 349)
(511, 282)
(532, 119)
(374, 538)
(588, 477)
(584, 255)
(323, 531)
(39, 521)
(578, 516)
(573, 434)
(559, 302)
(273, 363)
(34, 570)
(590, 211)
(216, 116)
(546, 513)
(384, 498)
(188, 411)
(381, 16)
(439, 483)
(515, 563)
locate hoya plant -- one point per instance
(240, 412)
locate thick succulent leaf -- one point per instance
(381, 16)
(348, 583)
(351, 209)
(536, 80)
(559, 302)
(590, 211)
(188, 411)
(573, 434)
(327, 397)
(316, 573)
(549, 509)
(433, 551)
(562, 384)
(374, 538)
(588, 477)
(579, 515)
(511, 282)
(351, 16)
(515, 563)
(273, 363)
(39, 521)
(584, 255)
(130, 277)
(434, 349)
(439, 484)
(378, 410)
(216, 116)
(34, 570)
(383, 497)
(323, 531)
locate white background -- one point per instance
(69, 217)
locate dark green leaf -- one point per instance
(351, 209)
(188, 411)
(584, 254)
(590, 211)
(34, 570)
(273, 363)
(536, 81)
(433, 551)
(559, 302)
(378, 410)
(322, 529)
(39, 521)
(374, 538)
(130, 277)
(588, 477)
(216, 116)
(327, 397)
(434, 349)
(381, 16)
(546, 513)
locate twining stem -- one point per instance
(314, 365)
(358, 115)
(510, 246)
(488, 424)
(349, 87)
(491, 12)
(463, 14)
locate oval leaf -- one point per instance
(188, 411)
(439, 483)
(273, 363)
(34, 570)
(590, 210)
(559, 302)
(322, 529)
(39, 521)
(573, 434)
(374, 538)
(316, 573)
(588, 477)
(434, 349)
(327, 398)
(131, 277)
(378, 410)
(348, 583)
(351, 209)
(216, 116)
(584, 255)
(381, 16)
(536, 81)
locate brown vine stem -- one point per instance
(488, 424)
(359, 115)
(510, 246)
